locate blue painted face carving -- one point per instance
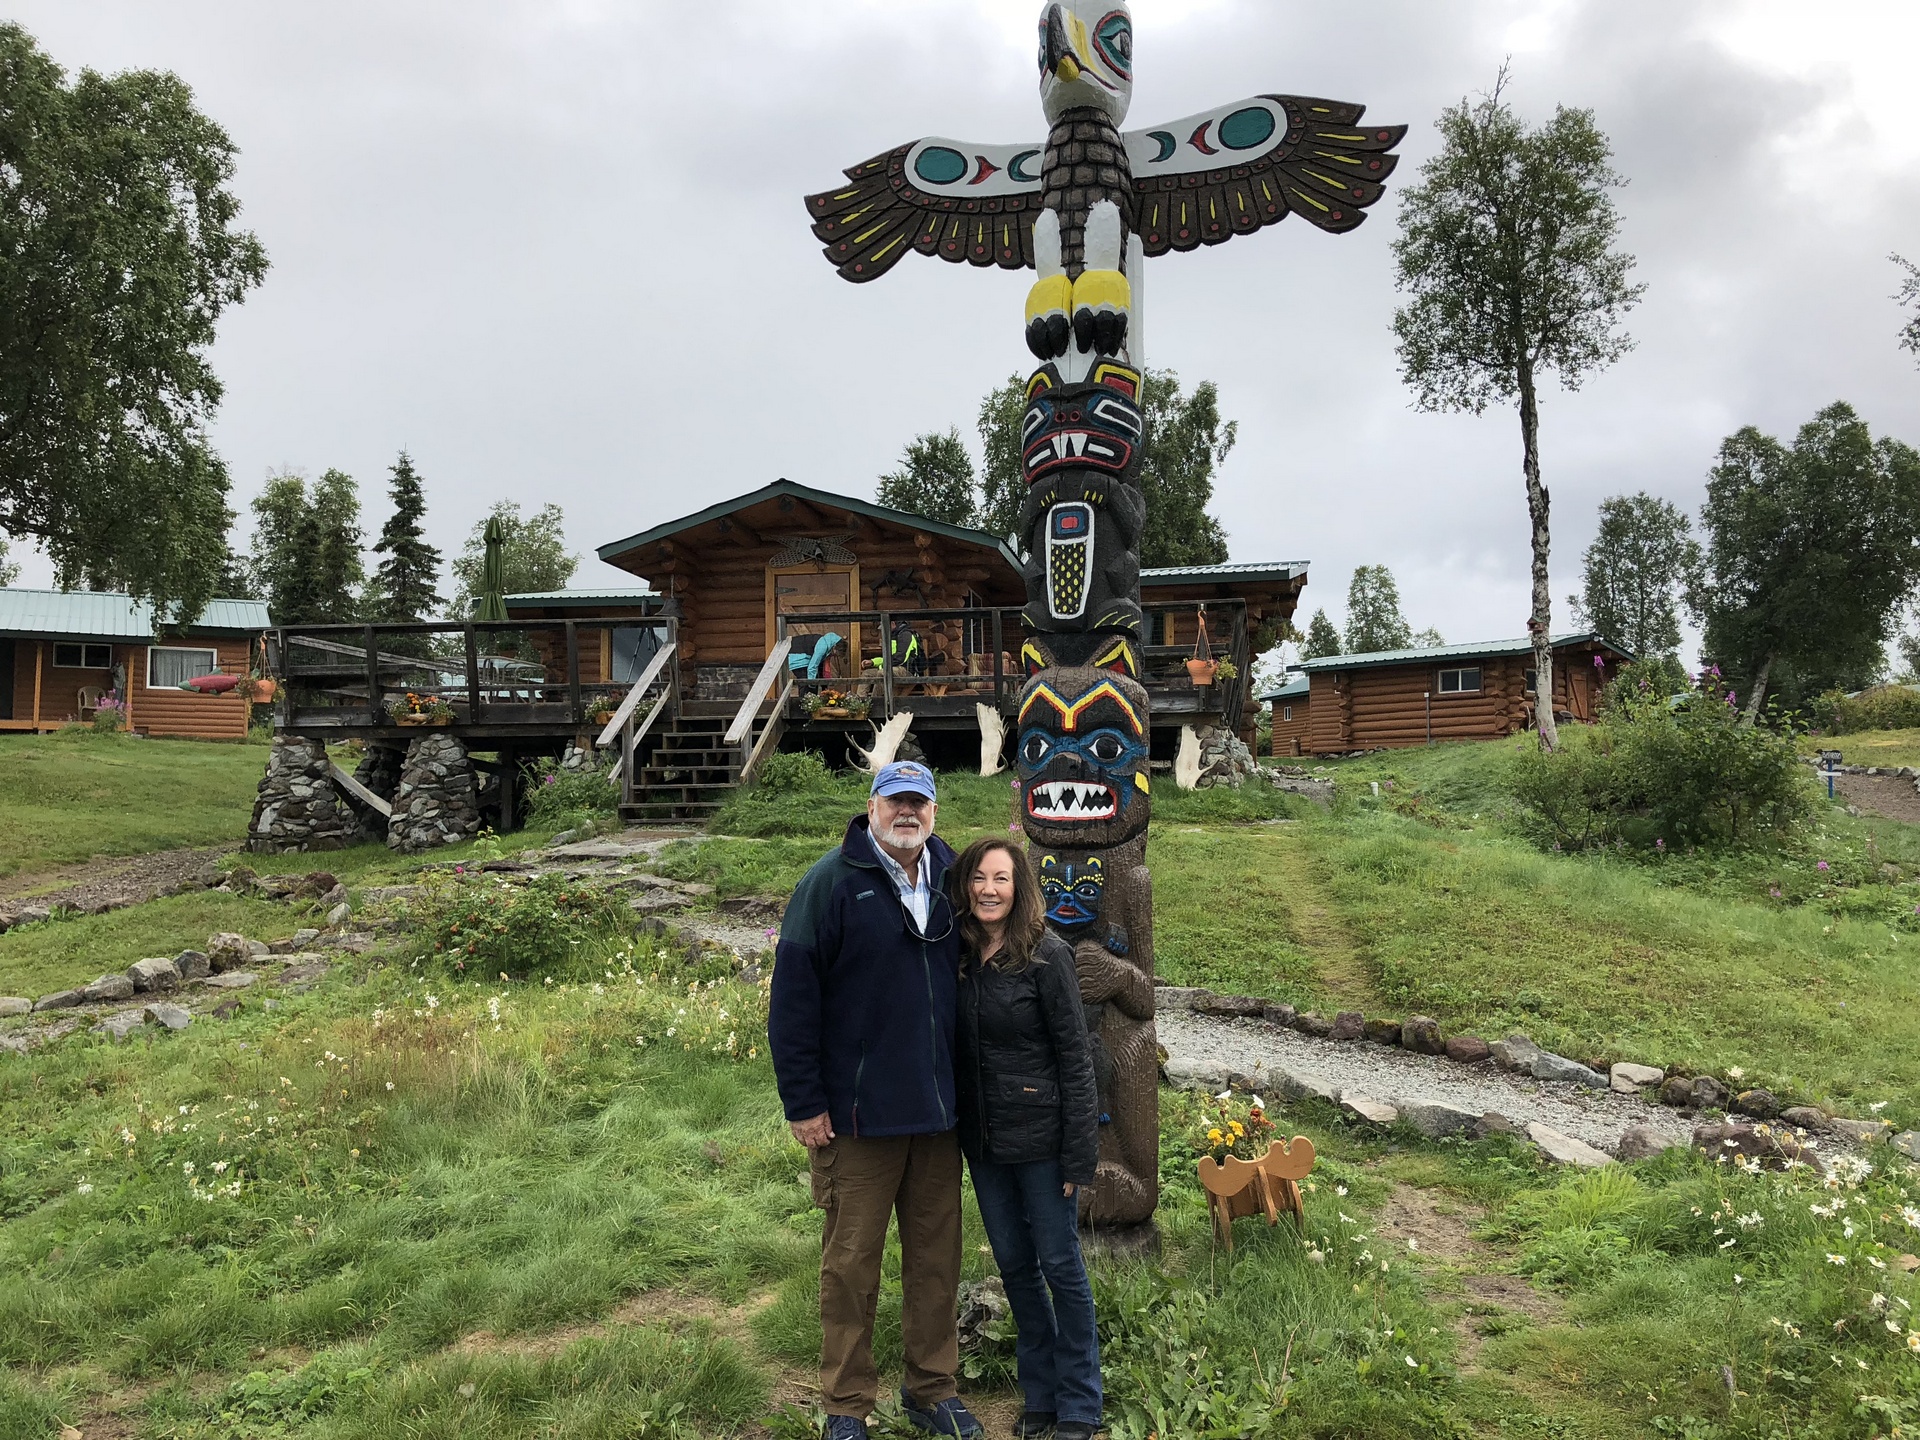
(1072, 892)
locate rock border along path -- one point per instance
(1203, 1051)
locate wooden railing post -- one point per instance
(673, 680)
(627, 747)
(473, 674)
(886, 665)
(999, 639)
(573, 674)
(373, 679)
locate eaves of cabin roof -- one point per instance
(1486, 649)
(110, 615)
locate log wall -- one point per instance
(176, 712)
(1387, 706)
(1290, 737)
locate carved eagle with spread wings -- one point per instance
(1195, 181)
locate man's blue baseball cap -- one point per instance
(898, 777)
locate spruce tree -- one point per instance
(403, 588)
(1322, 639)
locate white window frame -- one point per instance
(1459, 688)
(213, 662)
(1286, 712)
(84, 647)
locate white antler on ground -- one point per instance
(886, 742)
(993, 739)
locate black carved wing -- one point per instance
(941, 197)
(1229, 171)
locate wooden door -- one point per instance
(811, 587)
(6, 679)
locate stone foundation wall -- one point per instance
(436, 803)
(1224, 758)
(297, 807)
(723, 682)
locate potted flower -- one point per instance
(1245, 1170)
(604, 708)
(414, 709)
(1202, 667)
(835, 705)
(257, 689)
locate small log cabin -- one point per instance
(1289, 702)
(1447, 692)
(62, 651)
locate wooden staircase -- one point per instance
(691, 771)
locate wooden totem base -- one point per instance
(1269, 1185)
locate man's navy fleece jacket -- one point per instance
(861, 1020)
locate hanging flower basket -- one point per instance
(1201, 668)
(258, 689)
(1201, 672)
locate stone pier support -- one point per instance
(436, 803)
(297, 807)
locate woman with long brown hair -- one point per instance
(1029, 1127)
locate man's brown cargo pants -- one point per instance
(860, 1182)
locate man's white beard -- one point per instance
(905, 835)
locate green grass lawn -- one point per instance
(405, 1204)
(75, 794)
(1870, 747)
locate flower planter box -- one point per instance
(1266, 1186)
(423, 719)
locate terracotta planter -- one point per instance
(1201, 671)
(1266, 1186)
(833, 712)
(423, 719)
(262, 691)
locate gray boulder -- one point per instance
(59, 1000)
(165, 1012)
(1760, 1104)
(1907, 1142)
(1516, 1053)
(193, 964)
(1348, 1025)
(1861, 1132)
(1494, 1123)
(1185, 1073)
(1421, 1034)
(228, 951)
(1629, 1079)
(232, 980)
(1804, 1117)
(154, 973)
(1435, 1118)
(15, 1005)
(120, 1026)
(340, 914)
(1708, 1093)
(1548, 1066)
(1642, 1142)
(1229, 1007)
(1365, 1107)
(1165, 997)
(1381, 1032)
(1564, 1149)
(109, 987)
(1677, 1091)
(1280, 1013)
(1312, 1023)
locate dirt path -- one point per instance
(1887, 796)
(112, 880)
(1435, 1231)
(1313, 925)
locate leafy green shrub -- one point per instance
(1663, 773)
(483, 924)
(558, 798)
(1885, 707)
(792, 772)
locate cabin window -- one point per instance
(1532, 681)
(1286, 712)
(83, 657)
(1462, 681)
(169, 666)
(633, 648)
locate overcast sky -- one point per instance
(557, 251)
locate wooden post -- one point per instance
(626, 755)
(39, 651)
(473, 675)
(886, 664)
(574, 713)
(373, 679)
(509, 782)
(998, 641)
(126, 698)
(673, 679)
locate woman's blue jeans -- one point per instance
(1035, 1233)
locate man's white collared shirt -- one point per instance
(914, 895)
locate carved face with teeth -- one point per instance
(1083, 757)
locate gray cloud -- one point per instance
(558, 252)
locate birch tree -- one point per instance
(1507, 252)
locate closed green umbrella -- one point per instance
(492, 603)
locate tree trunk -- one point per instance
(1758, 695)
(1540, 623)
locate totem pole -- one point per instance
(1084, 210)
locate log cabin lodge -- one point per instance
(62, 652)
(1391, 698)
(746, 611)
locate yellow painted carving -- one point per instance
(1052, 295)
(1095, 288)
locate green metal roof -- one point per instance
(108, 615)
(818, 497)
(615, 595)
(1232, 570)
(1486, 649)
(1292, 690)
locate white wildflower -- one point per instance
(84, 1188)
(1833, 1259)
(1749, 1222)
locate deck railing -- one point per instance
(506, 677)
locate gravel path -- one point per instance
(109, 881)
(1261, 1049)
